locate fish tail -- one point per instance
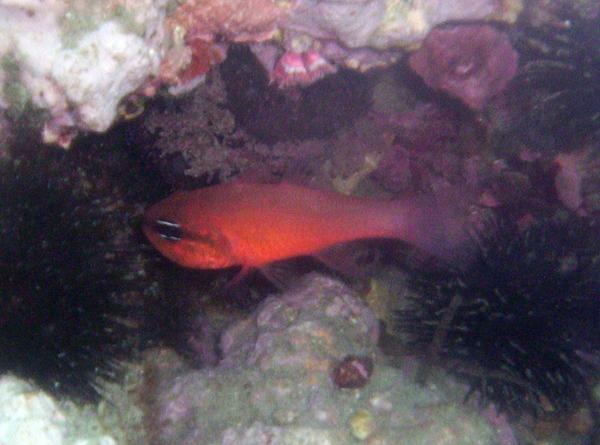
(438, 224)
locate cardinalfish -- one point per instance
(253, 225)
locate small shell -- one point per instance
(353, 372)
(362, 424)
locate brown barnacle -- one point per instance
(353, 372)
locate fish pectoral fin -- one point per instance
(242, 274)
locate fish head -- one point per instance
(184, 237)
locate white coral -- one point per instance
(107, 64)
(28, 416)
(82, 83)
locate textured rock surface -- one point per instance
(274, 384)
(29, 416)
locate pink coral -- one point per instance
(471, 62)
(304, 68)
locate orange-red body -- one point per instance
(252, 225)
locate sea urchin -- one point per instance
(521, 323)
(61, 324)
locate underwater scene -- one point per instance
(300, 222)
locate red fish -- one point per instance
(252, 225)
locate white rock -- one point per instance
(106, 65)
(28, 416)
(84, 80)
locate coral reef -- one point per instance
(319, 36)
(471, 62)
(199, 141)
(77, 61)
(426, 149)
(274, 383)
(233, 20)
(271, 115)
(332, 28)
(275, 88)
(196, 136)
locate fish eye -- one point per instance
(168, 230)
